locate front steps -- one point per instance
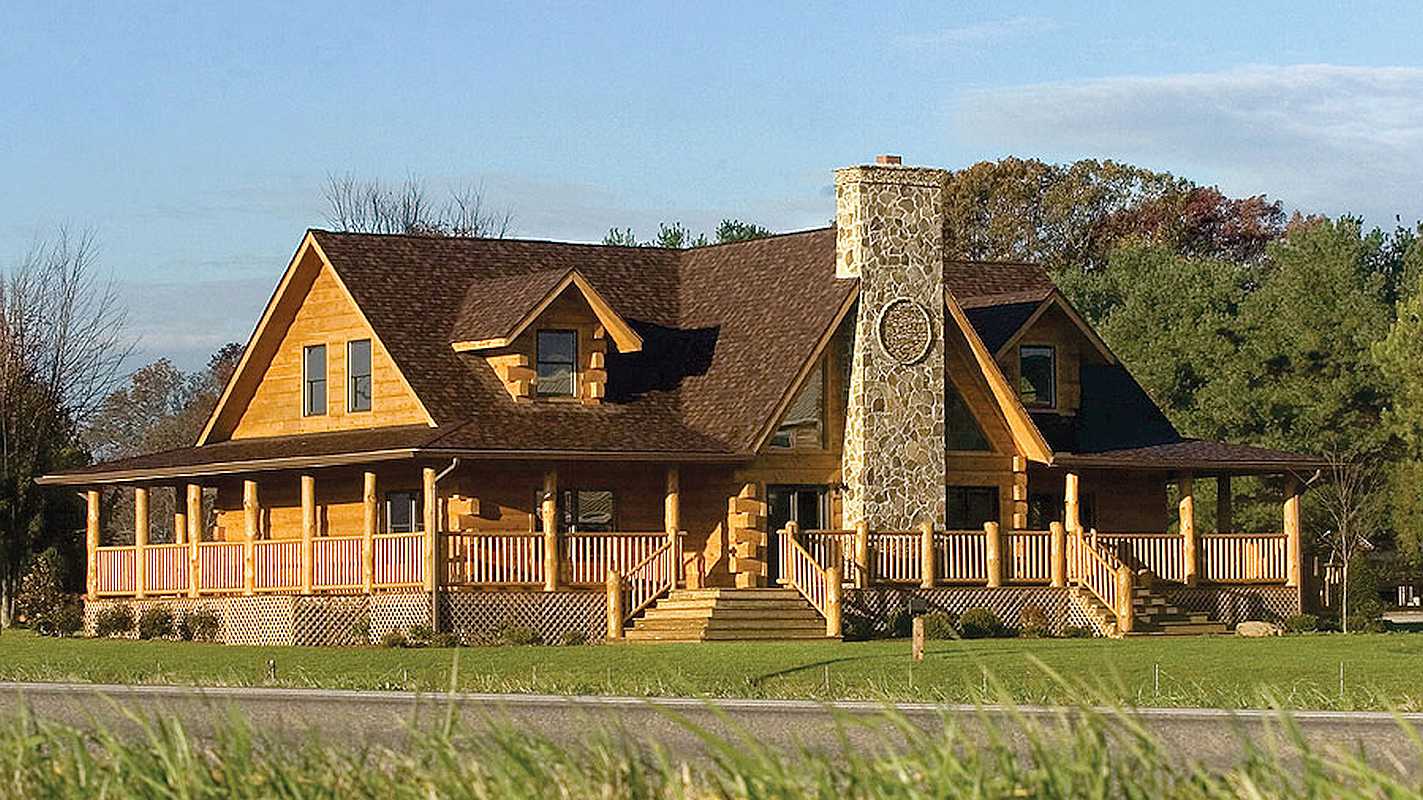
(700, 615)
(1152, 615)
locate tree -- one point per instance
(677, 236)
(61, 343)
(734, 230)
(1350, 499)
(372, 206)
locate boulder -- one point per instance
(1255, 629)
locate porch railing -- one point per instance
(820, 586)
(220, 566)
(1244, 557)
(649, 579)
(1164, 554)
(117, 570)
(1027, 556)
(276, 565)
(512, 558)
(591, 555)
(166, 567)
(1096, 571)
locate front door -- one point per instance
(804, 505)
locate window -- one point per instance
(1045, 508)
(803, 505)
(585, 510)
(961, 428)
(803, 425)
(971, 506)
(1037, 376)
(313, 378)
(358, 375)
(557, 363)
(404, 512)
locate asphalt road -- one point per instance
(1213, 737)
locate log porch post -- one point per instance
(993, 553)
(1059, 554)
(1186, 512)
(1072, 507)
(615, 605)
(833, 590)
(1293, 490)
(862, 554)
(548, 512)
(195, 538)
(1126, 588)
(91, 540)
(308, 532)
(368, 531)
(180, 516)
(672, 515)
(432, 528)
(926, 555)
(140, 541)
(251, 529)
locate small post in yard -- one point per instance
(1059, 554)
(91, 541)
(916, 647)
(926, 554)
(1125, 589)
(993, 553)
(862, 554)
(833, 590)
(615, 605)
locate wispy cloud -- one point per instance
(1321, 136)
(979, 33)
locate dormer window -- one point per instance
(557, 360)
(1037, 376)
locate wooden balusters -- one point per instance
(862, 554)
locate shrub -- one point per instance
(1076, 632)
(980, 623)
(361, 629)
(1302, 623)
(901, 625)
(41, 598)
(1033, 622)
(519, 635)
(940, 625)
(115, 620)
(395, 638)
(857, 628)
(419, 635)
(201, 624)
(66, 619)
(573, 638)
(443, 639)
(156, 622)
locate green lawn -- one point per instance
(1380, 671)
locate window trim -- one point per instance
(351, 378)
(539, 361)
(1051, 404)
(308, 408)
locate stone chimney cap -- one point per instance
(888, 159)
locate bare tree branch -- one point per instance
(363, 206)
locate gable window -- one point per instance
(971, 506)
(961, 429)
(557, 358)
(313, 380)
(1037, 375)
(404, 512)
(358, 375)
(804, 423)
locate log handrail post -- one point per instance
(993, 553)
(548, 512)
(1293, 557)
(195, 538)
(1072, 506)
(833, 592)
(927, 561)
(308, 532)
(91, 541)
(615, 605)
(862, 554)
(368, 530)
(251, 529)
(1059, 554)
(431, 523)
(140, 541)
(1126, 588)
(1190, 542)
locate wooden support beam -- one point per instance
(1186, 513)
(369, 516)
(1293, 490)
(993, 553)
(251, 529)
(1059, 554)
(548, 512)
(432, 528)
(927, 561)
(91, 541)
(672, 502)
(308, 532)
(615, 605)
(1224, 505)
(195, 538)
(180, 516)
(862, 554)
(140, 541)
(1072, 507)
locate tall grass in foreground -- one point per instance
(1098, 757)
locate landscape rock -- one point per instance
(1255, 629)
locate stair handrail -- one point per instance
(820, 586)
(649, 579)
(1098, 572)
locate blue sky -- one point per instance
(196, 140)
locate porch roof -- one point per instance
(1199, 456)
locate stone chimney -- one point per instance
(889, 234)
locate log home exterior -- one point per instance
(757, 439)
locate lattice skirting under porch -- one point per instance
(1235, 604)
(878, 606)
(480, 617)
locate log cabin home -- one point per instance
(765, 439)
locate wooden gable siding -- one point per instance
(1071, 348)
(322, 314)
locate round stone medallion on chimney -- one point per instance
(904, 330)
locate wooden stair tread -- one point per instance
(695, 615)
